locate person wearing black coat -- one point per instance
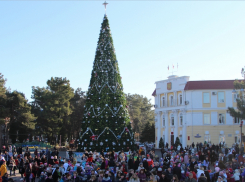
(169, 174)
(145, 165)
(55, 175)
(102, 164)
(177, 170)
(131, 163)
(136, 164)
(192, 164)
(213, 157)
(206, 174)
(111, 162)
(163, 178)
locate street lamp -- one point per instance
(241, 134)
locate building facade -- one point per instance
(195, 111)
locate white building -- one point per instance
(195, 111)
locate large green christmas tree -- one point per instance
(106, 123)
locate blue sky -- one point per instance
(44, 39)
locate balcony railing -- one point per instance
(171, 103)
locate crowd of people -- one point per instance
(198, 162)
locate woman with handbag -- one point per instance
(12, 166)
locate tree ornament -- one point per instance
(106, 105)
(118, 136)
(101, 143)
(91, 143)
(94, 137)
(85, 140)
(98, 121)
(127, 139)
(88, 121)
(124, 143)
(106, 140)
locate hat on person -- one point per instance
(144, 159)
(159, 169)
(217, 169)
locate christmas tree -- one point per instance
(106, 123)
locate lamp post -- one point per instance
(241, 134)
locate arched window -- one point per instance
(172, 119)
(180, 99)
(163, 101)
(163, 120)
(171, 100)
(181, 119)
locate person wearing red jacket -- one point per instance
(90, 158)
(149, 161)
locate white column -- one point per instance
(158, 127)
(166, 127)
(159, 101)
(184, 136)
(175, 99)
(176, 124)
(183, 97)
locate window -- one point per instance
(206, 118)
(207, 138)
(163, 101)
(172, 119)
(236, 120)
(235, 97)
(221, 138)
(206, 98)
(181, 120)
(180, 99)
(237, 139)
(221, 118)
(171, 100)
(221, 97)
(163, 120)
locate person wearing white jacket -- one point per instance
(236, 175)
(134, 178)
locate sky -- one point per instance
(44, 39)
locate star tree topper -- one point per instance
(105, 4)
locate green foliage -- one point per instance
(140, 110)
(177, 142)
(52, 106)
(148, 133)
(22, 121)
(2, 99)
(161, 143)
(2, 86)
(240, 111)
(106, 115)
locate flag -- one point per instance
(173, 66)
(168, 67)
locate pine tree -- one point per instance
(161, 143)
(106, 123)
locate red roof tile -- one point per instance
(154, 93)
(209, 84)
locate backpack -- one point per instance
(28, 171)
